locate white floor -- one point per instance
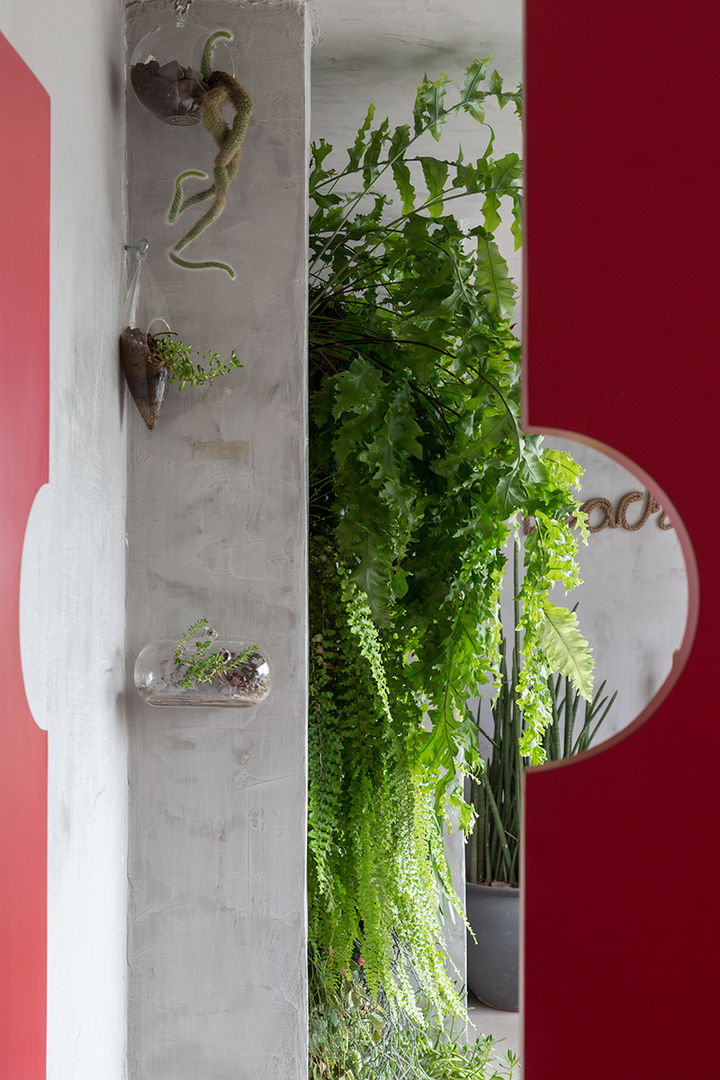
(503, 1026)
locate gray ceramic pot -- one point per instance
(493, 911)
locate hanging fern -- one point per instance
(370, 808)
(420, 474)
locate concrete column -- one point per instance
(217, 528)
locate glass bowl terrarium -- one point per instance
(198, 670)
(164, 75)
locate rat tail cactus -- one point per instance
(223, 89)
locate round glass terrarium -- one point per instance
(165, 71)
(243, 678)
(145, 319)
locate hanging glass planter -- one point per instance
(165, 71)
(199, 670)
(146, 372)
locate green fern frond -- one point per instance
(566, 649)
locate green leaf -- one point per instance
(491, 206)
(516, 223)
(354, 386)
(496, 84)
(435, 173)
(401, 175)
(399, 142)
(533, 464)
(356, 150)
(510, 493)
(429, 110)
(505, 173)
(319, 151)
(399, 583)
(491, 276)
(471, 96)
(372, 575)
(378, 138)
(567, 650)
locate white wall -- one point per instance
(73, 584)
(217, 527)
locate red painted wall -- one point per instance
(623, 223)
(24, 327)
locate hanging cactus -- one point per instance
(223, 89)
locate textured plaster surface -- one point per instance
(73, 576)
(217, 527)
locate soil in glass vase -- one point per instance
(146, 373)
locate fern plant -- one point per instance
(169, 350)
(202, 663)
(420, 473)
(492, 853)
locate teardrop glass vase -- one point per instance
(146, 373)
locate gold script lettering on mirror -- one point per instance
(617, 518)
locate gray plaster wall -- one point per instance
(73, 575)
(217, 528)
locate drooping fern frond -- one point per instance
(372, 821)
(565, 647)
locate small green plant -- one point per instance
(202, 664)
(183, 370)
(360, 1036)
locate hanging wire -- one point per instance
(181, 9)
(141, 248)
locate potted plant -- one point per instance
(198, 670)
(493, 848)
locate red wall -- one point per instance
(24, 327)
(623, 225)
